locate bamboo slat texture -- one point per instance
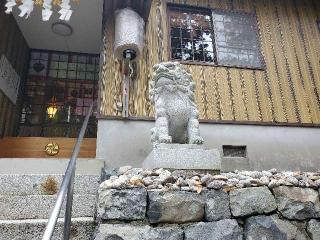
(286, 91)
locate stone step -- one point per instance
(33, 229)
(44, 184)
(39, 206)
(48, 165)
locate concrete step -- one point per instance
(44, 184)
(33, 229)
(40, 206)
(33, 196)
(48, 165)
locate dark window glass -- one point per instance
(176, 53)
(72, 80)
(236, 39)
(234, 42)
(191, 37)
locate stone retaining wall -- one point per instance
(134, 211)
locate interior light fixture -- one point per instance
(52, 108)
(62, 29)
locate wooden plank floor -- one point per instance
(34, 147)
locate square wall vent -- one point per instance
(234, 151)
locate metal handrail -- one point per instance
(67, 187)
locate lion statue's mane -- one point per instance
(171, 90)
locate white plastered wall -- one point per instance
(287, 148)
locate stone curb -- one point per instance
(82, 228)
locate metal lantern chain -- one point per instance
(26, 7)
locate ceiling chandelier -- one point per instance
(26, 7)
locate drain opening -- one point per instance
(234, 151)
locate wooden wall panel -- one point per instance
(34, 147)
(110, 91)
(16, 50)
(294, 74)
(302, 55)
(286, 91)
(310, 35)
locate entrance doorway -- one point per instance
(58, 80)
(59, 89)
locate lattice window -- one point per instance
(236, 39)
(72, 79)
(214, 37)
(191, 35)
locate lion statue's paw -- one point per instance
(196, 140)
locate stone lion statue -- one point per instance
(172, 93)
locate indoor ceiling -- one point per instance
(86, 22)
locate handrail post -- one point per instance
(67, 186)
(68, 213)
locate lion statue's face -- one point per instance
(172, 77)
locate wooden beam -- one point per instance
(33, 147)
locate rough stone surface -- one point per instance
(313, 228)
(172, 93)
(227, 229)
(254, 200)
(201, 204)
(216, 205)
(183, 156)
(40, 206)
(36, 184)
(126, 204)
(137, 232)
(107, 172)
(81, 229)
(297, 203)
(272, 228)
(174, 207)
(200, 180)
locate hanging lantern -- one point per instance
(52, 108)
(26, 7)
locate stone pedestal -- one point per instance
(183, 156)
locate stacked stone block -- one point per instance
(250, 213)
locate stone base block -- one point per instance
(183, 156)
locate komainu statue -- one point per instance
(172, 93)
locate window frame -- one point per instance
(215, 60)
(46, 81)
(193, 10)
